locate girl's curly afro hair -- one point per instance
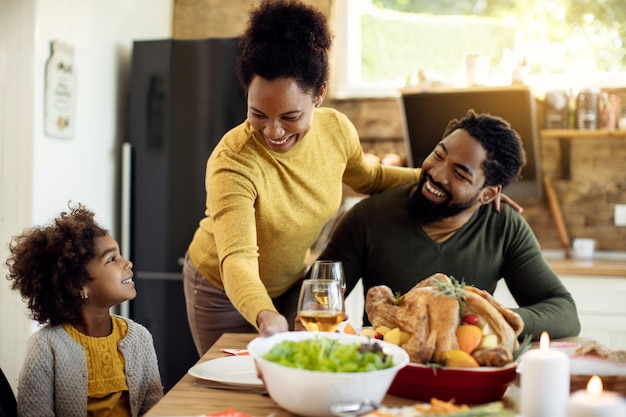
(47, 265)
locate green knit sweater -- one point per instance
(266, 209)
(378, 241)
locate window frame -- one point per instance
(346, 69)
(347, 76)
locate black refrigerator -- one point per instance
(184, 95)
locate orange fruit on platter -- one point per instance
(459, 359)
(468, 336)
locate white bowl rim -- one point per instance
(303, 335)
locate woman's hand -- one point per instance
(503, 198)
(270, 322)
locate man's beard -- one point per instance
(424, 211)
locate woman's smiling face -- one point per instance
(280, 111)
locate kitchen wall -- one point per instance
(220, 18)
(39, 174)
(16, 102)
(587, 196)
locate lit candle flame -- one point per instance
(594, 386)
(544, 341)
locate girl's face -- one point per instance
(280, 111)
(111, 275)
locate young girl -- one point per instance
(84, 361)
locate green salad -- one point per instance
(329, 355)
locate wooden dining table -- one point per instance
(187, 398)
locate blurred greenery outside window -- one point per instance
(384, 45)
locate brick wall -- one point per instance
(590, 179)
(194, 19)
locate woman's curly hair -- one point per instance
(47, 265)
(505, 153)
(285, 39)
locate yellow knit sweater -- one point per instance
(105, 366)
(266, 209)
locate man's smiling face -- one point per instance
(452, 180)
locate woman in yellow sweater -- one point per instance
(274, 181)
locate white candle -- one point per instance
(595, 402)
(544, 384)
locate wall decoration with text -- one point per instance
(60, 94)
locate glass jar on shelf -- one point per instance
(587, 103)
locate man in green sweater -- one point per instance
(444, 223)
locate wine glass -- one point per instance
(320, 306)
(330, 270)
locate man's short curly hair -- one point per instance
(505, 153)
(285, 39)
(47, 265)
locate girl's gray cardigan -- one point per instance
(53, 380)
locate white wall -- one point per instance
(16, 104)
(40, 174)
(84, 168)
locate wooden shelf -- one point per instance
(581, 133)
(567, 138)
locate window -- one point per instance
(384, 45)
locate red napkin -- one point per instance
(227, 413)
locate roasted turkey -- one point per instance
(430, 312)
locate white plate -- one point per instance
(230, 370)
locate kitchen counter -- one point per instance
(604, 264)
(598, 287)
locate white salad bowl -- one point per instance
(312, 393)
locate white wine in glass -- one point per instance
(329, 270)
(320, 306)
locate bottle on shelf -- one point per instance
(587, 107)
(556, 109)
